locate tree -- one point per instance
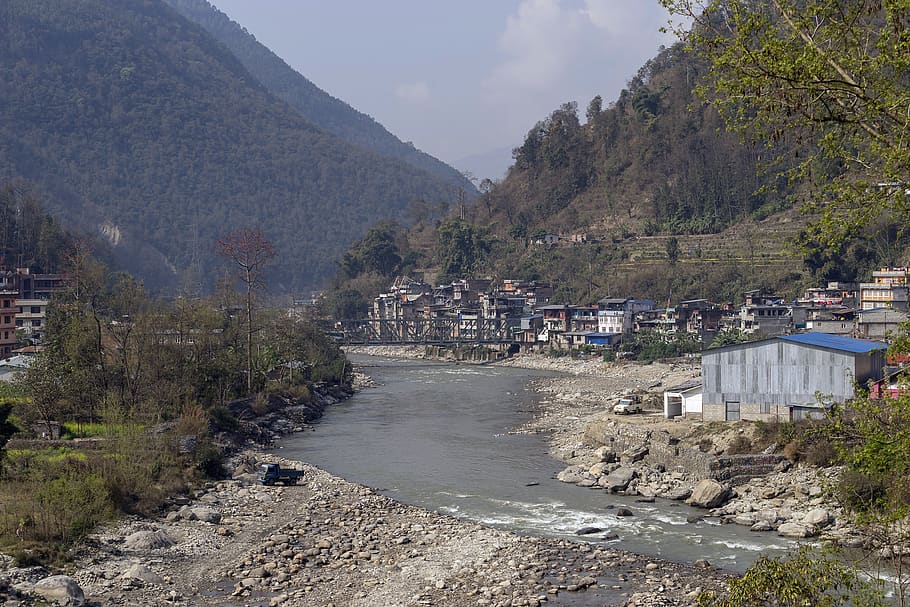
(673, 250)
(250, 251)
(805, 577)
(829, 73)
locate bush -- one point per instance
(223, 419)
(705, 445)
(820, 453)
(740, 444)
(792, 450)
(859, 492)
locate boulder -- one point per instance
(588, 530)
(635, 454)
(819, 517)
(599, 469)
(143, 574)
(605, 455)
(148, 540)
(619, 479)
(761, 526)
(207, 515)
(795, 530)
(623, 512)
(572, 474)
(60, 589)
(678, 493)
(708, 493)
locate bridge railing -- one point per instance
(422, 330)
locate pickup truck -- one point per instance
(269, 474)
(626, 406)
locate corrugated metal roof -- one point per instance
(835, 342)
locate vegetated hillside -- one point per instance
(314, 104)
(138, 125)
(657, 188)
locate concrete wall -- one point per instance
(665, 451)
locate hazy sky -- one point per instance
(459, 78)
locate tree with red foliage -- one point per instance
(250, 251)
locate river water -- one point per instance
(437, 435)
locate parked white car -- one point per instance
(626, 406)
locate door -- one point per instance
(732, 411)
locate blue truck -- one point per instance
(269, 474)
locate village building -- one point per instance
(684, 400)
(888, 289)
(879, 323)
(783, 378)
(617, 315)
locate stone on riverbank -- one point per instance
(619, 479)
(709, 493)
(148, 540)
(60, 589)
(797, 531)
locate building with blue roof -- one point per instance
(780, 378)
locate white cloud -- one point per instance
(547, 44)
(415, 92)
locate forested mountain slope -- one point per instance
(314, 104)
(649, 194)
(139, 125)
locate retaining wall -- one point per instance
(665, 450)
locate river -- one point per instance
(437, 435)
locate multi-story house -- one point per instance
(888, 289)
(617, 315)
(766, 315)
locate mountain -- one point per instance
(649, 195)
(314, 104)
(140, 127)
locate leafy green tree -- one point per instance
(461, 249)
(804, 578)
(835, 73)
(729, 336)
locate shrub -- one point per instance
(223, 419)
(740, 444)
(792, 450)
(860, 492)
(820, 453)
(260, 404)
(705, 445)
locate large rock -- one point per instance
(708, 493)
(142, 574)
(605, 455)
(148, 540)
(677, 493)
(572, 474)
(207, 515)
(619, 479)
(60, 589)
(819, 517)
(795, 530)
(635, 454)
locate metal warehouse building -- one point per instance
(779, 378)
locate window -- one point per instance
(764, 408)
(36, 322)
(36, 309)
(732, 411)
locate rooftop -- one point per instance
(835, 342)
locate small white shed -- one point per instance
(683, 400)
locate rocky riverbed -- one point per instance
(331, 542)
